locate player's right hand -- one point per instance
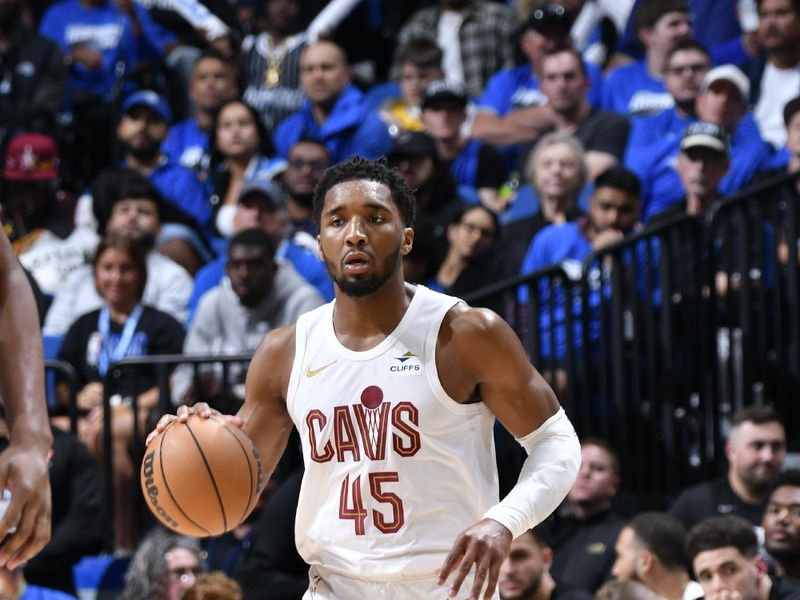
(182, 415)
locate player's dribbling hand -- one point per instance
(486, 545)
(25, 473)
(182, 415)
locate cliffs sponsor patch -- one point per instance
(406, 364)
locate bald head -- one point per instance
(324, 72)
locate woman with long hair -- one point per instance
(240, 149)
(123, 327)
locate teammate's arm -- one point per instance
(484, 350)
(23, 465)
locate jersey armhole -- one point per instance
(300, 341)
(432, 372)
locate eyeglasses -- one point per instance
(183, 574)
(316, 166)
(694, 69)
(472, 229)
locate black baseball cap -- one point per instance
(445, 90)
(706, 135)
(549, 19)
(412, 144)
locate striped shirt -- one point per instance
(262, 61)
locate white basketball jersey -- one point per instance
(395, 468)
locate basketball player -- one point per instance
(24, 461)
(394, 390)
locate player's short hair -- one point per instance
(664, 536)
(254, 237)
(619, 178)
(650, 11)
(422, 52)
(135, 251)
(719, 532)
(757, 415)
(602, 443)
(359, 168)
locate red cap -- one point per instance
(31, 157)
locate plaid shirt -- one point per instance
(487, 38)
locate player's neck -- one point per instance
(363, 322)
(545, 589)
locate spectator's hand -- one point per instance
(606, 238)
(24, 471)
(486, 545)
(90, 396)
(91, 59)
(201, 408)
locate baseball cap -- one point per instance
(727, 73)
(549, 19)
(156, 103)
(413, 143)
(263, 187)
(31, 157)
(706, 135)
(444, 90)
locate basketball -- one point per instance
(201, 478)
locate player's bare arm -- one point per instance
(23, 466)
(479, 358)
(264, 416)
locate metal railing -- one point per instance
(659, 338)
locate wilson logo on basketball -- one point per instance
(152, 491)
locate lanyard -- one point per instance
(106, 356)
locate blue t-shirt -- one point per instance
(661, 184)
(511, 89)
(631, 90)
(305, 263)
(187, 145)
(351, 129)
(563, 244)
(34, 592)
(104, 28)
(650, 130)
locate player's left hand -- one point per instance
(486, 545)
(24, 471)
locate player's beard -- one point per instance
(358, 288)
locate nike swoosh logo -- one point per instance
(312, 372)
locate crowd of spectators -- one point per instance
(158, 165)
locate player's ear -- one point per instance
(408, 240)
